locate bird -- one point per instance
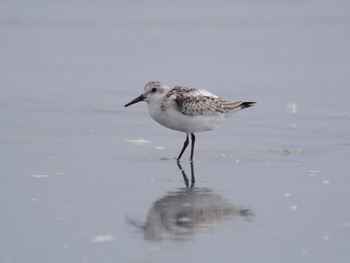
(186, 109)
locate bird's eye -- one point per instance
(154, 90)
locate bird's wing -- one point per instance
(189, 101)
(232, 105)
(237, 105)
(199, 105)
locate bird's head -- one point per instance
(153, 91)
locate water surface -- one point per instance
(86, 180)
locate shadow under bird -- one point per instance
(186, 109)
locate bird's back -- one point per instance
(192, 102)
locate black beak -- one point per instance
(138, 99)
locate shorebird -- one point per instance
(188, 110)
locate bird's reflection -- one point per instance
(182, 213)
(186, 181)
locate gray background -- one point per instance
(271, 185)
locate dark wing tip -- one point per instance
(247, 104)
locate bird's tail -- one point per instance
(246, 104)
(233, 106)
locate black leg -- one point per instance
(192, 146)
(183, 148)
(193, 180)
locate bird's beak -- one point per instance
(138, 99)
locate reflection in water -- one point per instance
(182, 213)
(193, 180)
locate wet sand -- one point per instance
(86, 180)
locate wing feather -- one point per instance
(189, 101)
(198, 105)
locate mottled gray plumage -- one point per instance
(190, 101)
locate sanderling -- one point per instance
(186, 109)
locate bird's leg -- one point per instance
(193, 180)
(192, 146)
(183, 148)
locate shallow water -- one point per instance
(86, 180)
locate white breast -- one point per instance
(171, 118)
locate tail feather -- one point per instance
(236, 105)
(247, 104)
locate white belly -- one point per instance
(175, 120)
